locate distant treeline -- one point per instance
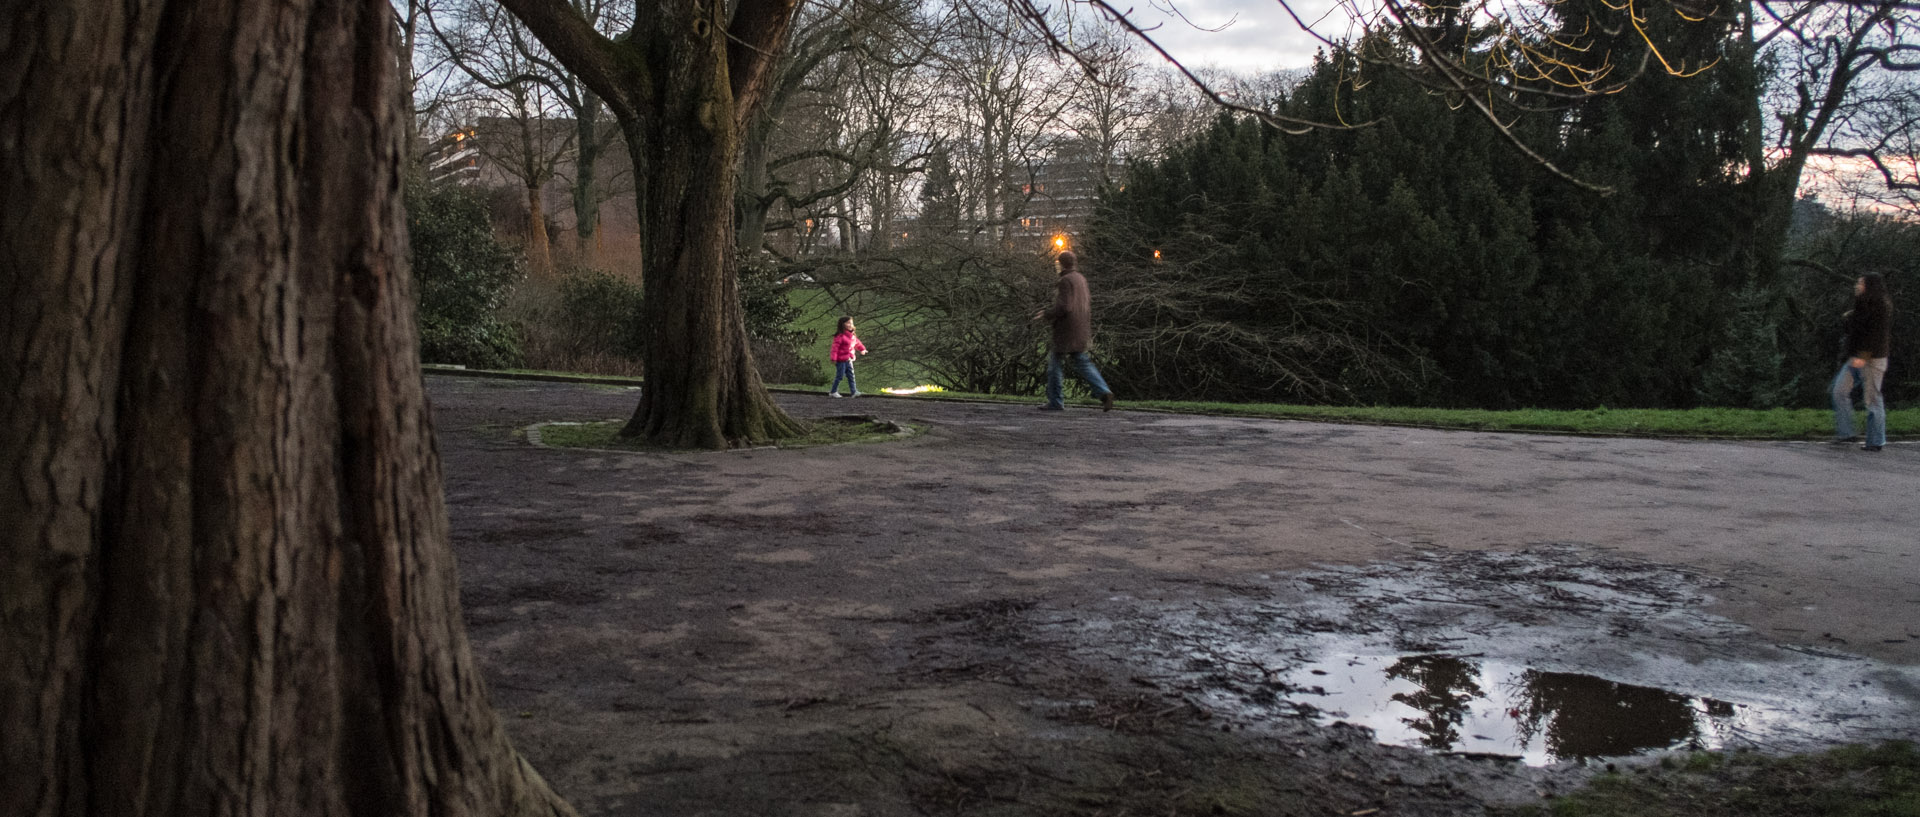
(1422, 260)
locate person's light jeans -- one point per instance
(1868, 380)
(843, 368)
(1082, 366)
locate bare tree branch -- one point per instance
(756, 36)
(598, 60)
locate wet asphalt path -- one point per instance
(1815, 544)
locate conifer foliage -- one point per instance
(1419, 259)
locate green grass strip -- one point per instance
(1715, 423)
(1852, 781)
(1744, 424)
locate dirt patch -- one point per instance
(1021, 613)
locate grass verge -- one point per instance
(1852, 781)
(826, 431)
(1745, 424)
(1718, 423)
(820, 314)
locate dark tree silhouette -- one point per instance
(225, 580)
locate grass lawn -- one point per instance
(820, 314)
(1756, 424)
(1853, 781)
(1745, 424)
(819, 311)
(1763, 424)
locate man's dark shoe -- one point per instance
(1106, 401)
(1869, 448)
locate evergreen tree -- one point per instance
(1420, 259)
(939, 197)
(1748, 371)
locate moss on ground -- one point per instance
(1852, 781)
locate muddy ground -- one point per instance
(1028, 613)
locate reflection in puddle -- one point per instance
(1433, 666)
(1469, 705)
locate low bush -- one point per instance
(462, 275)
(584, 320)
(780, 352)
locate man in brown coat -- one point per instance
(1072, 317)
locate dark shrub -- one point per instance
(601, 313)
(778, 349)
(462, 275)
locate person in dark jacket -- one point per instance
(1072, 318)
(1869, 339)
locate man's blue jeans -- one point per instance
(1082, 366)
(843, 368)
(1868, 378)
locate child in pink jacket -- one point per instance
(845, 345)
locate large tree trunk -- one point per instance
(225, 580)
(539, 247)
(586, 179)
(751, 200)
(702, 388)
(681, 84)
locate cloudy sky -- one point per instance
(1259, 34)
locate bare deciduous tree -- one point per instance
(816, 141)
(1010, 99)
(1847, 88)
(517, 127)
(684, 82)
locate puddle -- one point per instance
(1555, 654)
(1477, 706)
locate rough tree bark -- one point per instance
(539, 244)
(225, 580)
(682, 84)
(755, 200)
(586, 178)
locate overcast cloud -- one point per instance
(1260, 37)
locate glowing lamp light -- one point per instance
(914, 390)
(1059, 242)
(1156, 255)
